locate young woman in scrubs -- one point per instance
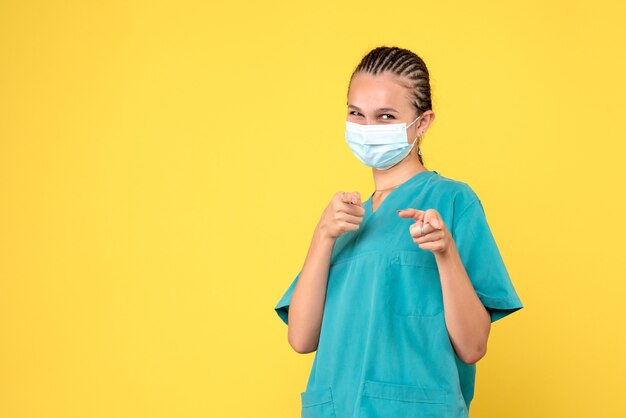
(397, 293)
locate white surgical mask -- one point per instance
(379, 146)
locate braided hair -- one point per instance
(410, 69)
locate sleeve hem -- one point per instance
(282, 309)
(500, 303)
(498, 308)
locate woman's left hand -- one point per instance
(436, 237)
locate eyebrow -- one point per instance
(382, 109)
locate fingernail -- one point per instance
(398, 211)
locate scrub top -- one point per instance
(384, 349)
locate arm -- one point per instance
(344, 213)
(467, 320)
(309, 295)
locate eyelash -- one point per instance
(384, 114)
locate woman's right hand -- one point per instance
(344, 213)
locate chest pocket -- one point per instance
(413, 283)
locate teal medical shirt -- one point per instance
(384, 350)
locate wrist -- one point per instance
(447, 254)
(322, 235)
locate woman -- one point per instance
(397, 294)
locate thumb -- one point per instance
(432, 218)
(353, 198)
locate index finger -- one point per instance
(415, 214)
(352, 209)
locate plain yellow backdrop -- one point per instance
(163, 165)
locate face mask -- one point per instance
(379, 146)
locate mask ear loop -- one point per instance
(418, 138)
(416, 141)
(415, 120)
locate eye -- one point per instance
(387, 114)
(354, 113)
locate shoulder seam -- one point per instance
(467, 207)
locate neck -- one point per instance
(399, 173)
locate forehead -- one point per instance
(374, 91)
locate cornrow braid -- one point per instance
(410, 69)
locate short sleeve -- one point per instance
(282, 307)
(482, 260)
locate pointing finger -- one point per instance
(415, 214)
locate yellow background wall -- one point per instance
(163, 165)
